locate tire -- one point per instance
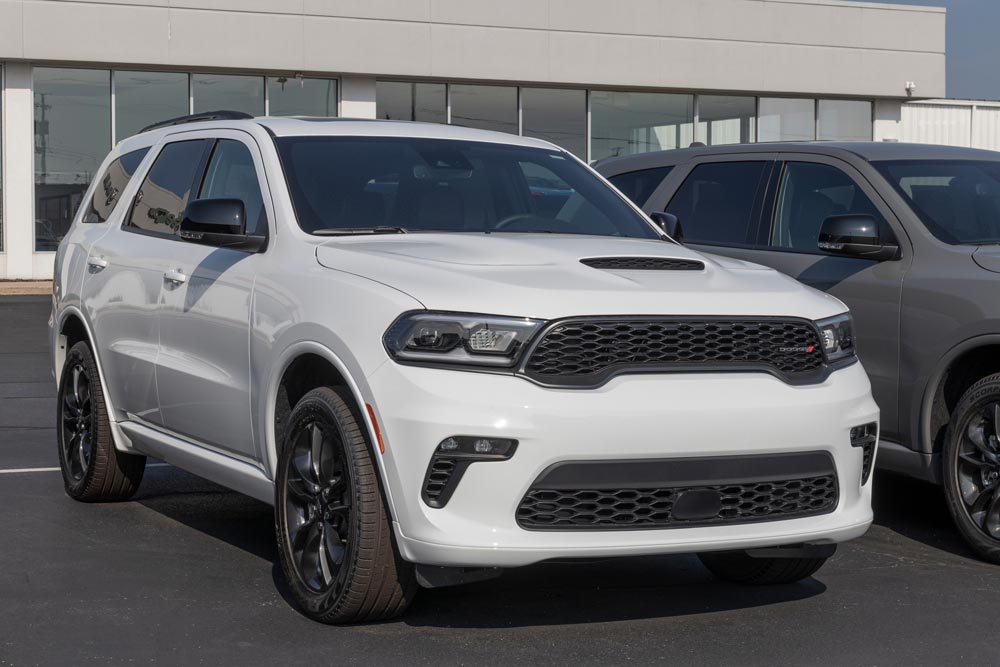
(93, 469)
(741, 568)
(972, 467)
(335, 538)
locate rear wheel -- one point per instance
(742, 568)
(93, 469)
(972, 467)
(335, 537)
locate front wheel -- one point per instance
(972, 467)
(742, 568)
(334, 534)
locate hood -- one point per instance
(988, 257)
(541, 276)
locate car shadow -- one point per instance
(916, 510)
(551, 593)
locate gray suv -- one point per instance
(909, 237)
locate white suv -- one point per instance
(439, 352)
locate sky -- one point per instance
(973, 46)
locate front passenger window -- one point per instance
(160, 203)
(231, 175)
(809, 194)
(715, 205)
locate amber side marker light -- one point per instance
(378, 431)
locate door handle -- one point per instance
(97, 263)
(175, 276)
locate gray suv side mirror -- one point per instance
(856, 236)
(220, 223)
(670, 225)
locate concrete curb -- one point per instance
(22, 287)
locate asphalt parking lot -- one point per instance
(185, 574)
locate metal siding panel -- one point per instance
(937, 124)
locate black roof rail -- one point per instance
(196, 117)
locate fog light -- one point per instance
(451, 459)
(865, 436)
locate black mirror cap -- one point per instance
(670, 225)
(855, 235)
(220, 223)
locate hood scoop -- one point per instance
(643, 264)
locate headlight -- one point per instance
(459, 338)
(837, 337)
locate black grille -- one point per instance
(643, 264)
(868, 450)
(438, 474)
(581, 352)
(597, 509)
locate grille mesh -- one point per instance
(868, 450)
(643, 264)
(575, 351)
(596, 509)
(437, 477)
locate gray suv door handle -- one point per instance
(175, 276)
(97, 263)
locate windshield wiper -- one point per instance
(353, 231)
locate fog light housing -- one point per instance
(865, 436)
(451, 459)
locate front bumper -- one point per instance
(631, 417)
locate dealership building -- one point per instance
(599, 78)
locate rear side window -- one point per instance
(639, 185)
(716, 203)
(160, 202)
(809, 194)
(112, 184)
(231, 175)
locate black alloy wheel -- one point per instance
(332, 522)
(93, 469)
(78, 423)
(972, 467)
(318, 506)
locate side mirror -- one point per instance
(220, 223)
(670, 225)
(856, 236)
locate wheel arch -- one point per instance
(961, 367)
(301, 367)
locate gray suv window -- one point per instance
(715, 205)
(160, 202)
(810, 193)
(639, 185)
(231, 175)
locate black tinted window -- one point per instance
(231, 175)
(716, 202)
(639, 185)
(453, 186)
(958, 202)
(160, 202)
(809, 194)
(112, 183)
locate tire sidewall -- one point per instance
(312, 408)
(983, 392)
(79, 353)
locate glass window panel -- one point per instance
(291, 96)
(160, 202)
(72, 136)
(715, 204)
(144, 98)
(787, 119)
(625, 123)
(231, 174)
(403, 100)
(112, 184)
(485, 107)
(727, 120)
(556, 115)
(225, 92)
(844, 120)
(640, 185)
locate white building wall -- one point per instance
(971, 124)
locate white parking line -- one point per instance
(18, 471)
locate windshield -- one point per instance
(445, 185)
(958, 201)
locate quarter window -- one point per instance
(160, 202)
(808, 195)
(639, 185)
(715, 205)
(231, 175)
(114, 181)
